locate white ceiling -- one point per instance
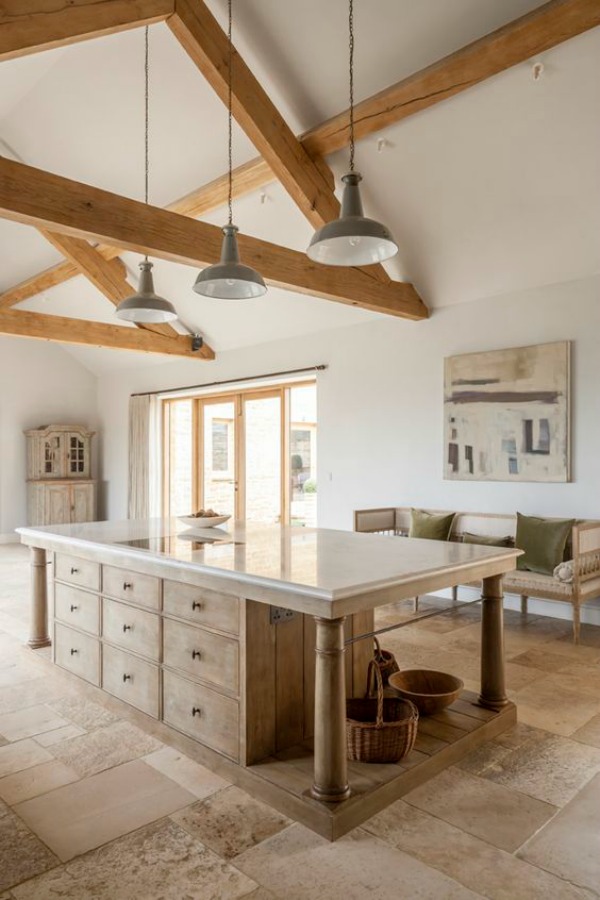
(497, 189)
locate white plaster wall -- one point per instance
(380, 404)
(39, 384)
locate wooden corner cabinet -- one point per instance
(60, 489)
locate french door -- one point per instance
(251, 454)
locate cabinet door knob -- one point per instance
(73, 608)
(196, 605)
(127, 627)
(196, 711)
(74, 571)
(73, 651)
(126, 677)
(196, 654)
(127, 585)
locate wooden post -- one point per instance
(493, 690)
(38, 628)
(331, 767)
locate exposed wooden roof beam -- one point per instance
(27, 26)
(49, 201)
(96, 334)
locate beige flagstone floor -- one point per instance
(92, 806)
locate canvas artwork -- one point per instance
(506, 414)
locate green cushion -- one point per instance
(543, 541)
(428, 525)
(486, 540)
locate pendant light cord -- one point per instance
(230, 114)
(146, 116)
(351, 80)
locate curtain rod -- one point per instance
(197, 387)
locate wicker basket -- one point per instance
(378, 729)
(386, 662)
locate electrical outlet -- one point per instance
(281, 614)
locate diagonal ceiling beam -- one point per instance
(96, 334)
(49, 201)
(27, 26)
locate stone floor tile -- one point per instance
(480, 760)
(28, 722)
(577, 653)
(297, 864)
(552, 705)
(35, 781)
(105, 747)
(231, 821)
(552, 770)
(158, 862)
(474, 863)
(89, 813)
(85, 713)
(540, 658)
(21, 755)
(519, 735)
(184, 771)
(495, 813)
(16, 672)
(569, 845)
(48, 738)
(589, 733)
(41, 689)
(22, 854)
(589, 636)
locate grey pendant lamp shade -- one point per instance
(229, 279)
(352, 239)
(145, 306)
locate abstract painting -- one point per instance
(506, 414)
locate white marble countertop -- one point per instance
(328, 566)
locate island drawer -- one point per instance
(131, 679)
(131, 628)
(209, 656)
(79, 653)
(201, 713)
(82, 572)
(202, 605)
(78, 608)
(132, 586)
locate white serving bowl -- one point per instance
(204, 521)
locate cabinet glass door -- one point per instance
(76, 455)
(52, 464)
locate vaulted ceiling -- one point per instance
(495, 189)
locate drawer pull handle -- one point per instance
(196, 711)
(73, 608)
(196, 605)
(196, 654)
(126, 677)
(74, 571)
(127, 627)
(127, 585)
(73, 651)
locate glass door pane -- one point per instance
(263, 458)
(180, 458)
(303, 455)
(219, 483)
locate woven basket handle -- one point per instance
(373, 667)
(378, 654)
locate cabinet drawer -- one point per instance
(79, 653)
(200, 712)
(203, 606)
(131, 628)
(77, 607)
(81, 572)
(131, 679)
(202, 653)
(133, 586)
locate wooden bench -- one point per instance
(583, 548)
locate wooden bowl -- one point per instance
(429, 690)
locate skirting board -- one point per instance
(9, 538)
(554, 609)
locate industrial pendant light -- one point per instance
(229, 279)
(145, 306)
(353, 239)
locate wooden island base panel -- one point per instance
(233, 645)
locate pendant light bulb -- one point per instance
(145, 306)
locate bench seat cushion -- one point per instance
(532, 584)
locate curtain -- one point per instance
(144, 457)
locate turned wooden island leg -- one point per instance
(493, 689)
(38, 627)
(331, 767)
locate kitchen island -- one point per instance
(244, 640)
